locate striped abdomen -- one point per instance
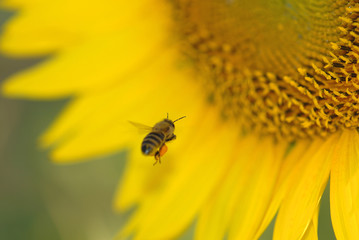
(152, 142)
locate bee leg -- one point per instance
(173, 137)
(157, 158)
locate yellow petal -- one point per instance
(312, 231)
(44, 27)
(139, 179)
(256, 182)
(18, 4)
(293, 157)
(307, 183)
(216, 214)
(95, 65)
(32, 35)
(174, 207)
(233, 203)
(344, 187)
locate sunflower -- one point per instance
(270, 90)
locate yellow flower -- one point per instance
(270, 90)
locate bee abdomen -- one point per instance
(151, 142)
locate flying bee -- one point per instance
(154, 143)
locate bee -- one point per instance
(154, 143)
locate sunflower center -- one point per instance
(288, 68)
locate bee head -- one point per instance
(169, 122)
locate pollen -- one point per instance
(288, 69)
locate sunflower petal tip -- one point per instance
(119, 205)
(116, 205)
(44, 141)
(16, 87)
(8, 89)
(54, 157)
(63, 157)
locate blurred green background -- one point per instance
(42, 200)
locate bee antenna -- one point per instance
(179, 119)
(167, 115)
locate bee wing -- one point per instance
(141, 127)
